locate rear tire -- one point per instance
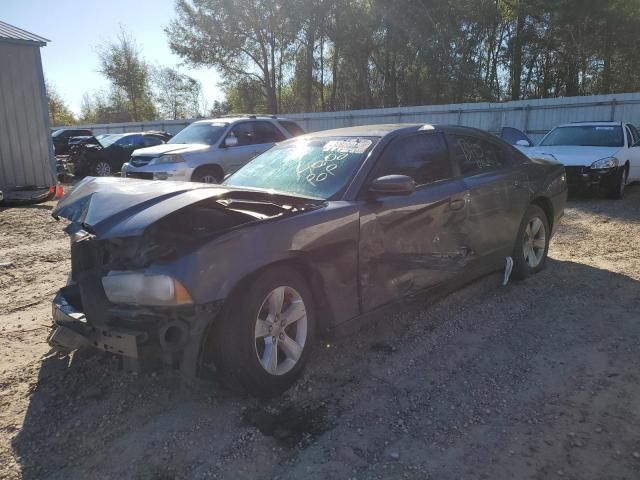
(264, 338)
(208, 174)
(532, 244)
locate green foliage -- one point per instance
(299, 55)
(177, 95)
(122, 64)
(59, 113)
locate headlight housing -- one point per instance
(167, 159)
(137, 288)
(603, 163)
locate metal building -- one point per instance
(27, 162)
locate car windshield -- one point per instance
(109, 139)
(57, 133)
(315, 167)
(585, 136)
(201, 133)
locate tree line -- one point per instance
(280, 56)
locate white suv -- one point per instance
(208, 150)
(595, 154)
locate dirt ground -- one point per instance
(538, 379)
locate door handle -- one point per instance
(457, 204)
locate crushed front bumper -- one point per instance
(72, 331)
(165, 171)
(173, 336)
(585, 179)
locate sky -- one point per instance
(76, 28)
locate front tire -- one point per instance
(266, 332)
(616, 192)
(532, 245)
(101, 168)
(207, 175)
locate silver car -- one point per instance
(208, 150)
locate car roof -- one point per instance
(233, 119)
(380, 130)
(592, 124)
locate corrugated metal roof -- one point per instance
(15, 34)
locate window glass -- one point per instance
(633, 131)
(585, 136)
(317, 167)
(150, 141)
(475, 154)
(244, 133)
(266, 132)
(513, 135)
(200, 133)
(636, 134)
(131, 141)
(292, 127)
(423, 157)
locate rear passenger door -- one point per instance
(412, 242)
(496, 183)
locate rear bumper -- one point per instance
(585, 179)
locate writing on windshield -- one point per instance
(316, 167)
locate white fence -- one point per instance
(535, 117)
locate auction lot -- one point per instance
(538, 380)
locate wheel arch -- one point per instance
(547, 207)
(304, 266)
(209, 166)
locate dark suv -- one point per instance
(106, 156)
(61, 138)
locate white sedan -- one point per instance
(596, 155)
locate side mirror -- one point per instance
(392, 185)
(230, 141)
(523, 143)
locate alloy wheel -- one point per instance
(103, 169)
(209, 179)
(281, 330)
(535, 242)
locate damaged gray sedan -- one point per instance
(303, 241)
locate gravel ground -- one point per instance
(536, 380)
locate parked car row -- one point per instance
(598, 156)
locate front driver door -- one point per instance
(245, 150)
(633, 152)
(121, 150)
(409, 243)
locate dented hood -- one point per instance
(118, 207)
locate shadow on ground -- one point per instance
(627, 209)
(486, 383)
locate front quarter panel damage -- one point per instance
(323, 242)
